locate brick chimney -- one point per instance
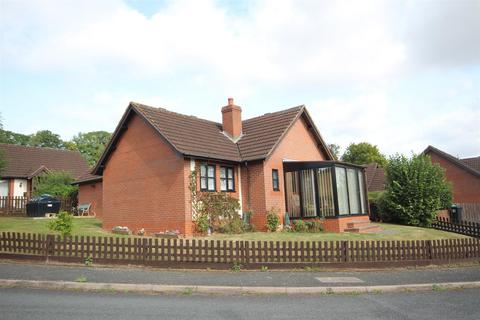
(232, 119)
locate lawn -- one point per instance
(92, 227)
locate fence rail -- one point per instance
(465, 227)
(218, 253)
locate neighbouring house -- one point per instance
(375, 177)
(277, 160)
(464, 175)
(90, 192)
(24, 163)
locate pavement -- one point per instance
(160, 281)
(16, 304)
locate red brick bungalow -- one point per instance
(278, 160)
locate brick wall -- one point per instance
(340, 224)
(92, 193)
(298, 144)
(144, 183)
(465, 186)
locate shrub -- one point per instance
(314, 226)
(374, 198)
(218, 205)
(273, 221)
(299, 226)
(415, 190)
(232, 226)
(202, 224)
(63, 223)
(58, 184)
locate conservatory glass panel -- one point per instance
(353, 192)
(308, 193)
(342, 191)
(293, 195)
(325, 192)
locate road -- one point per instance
(46, 304)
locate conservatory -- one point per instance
(324, 189)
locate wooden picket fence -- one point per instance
(471, 212)
(17, 206)
(223, 254)
(13, 206)
(467, 228)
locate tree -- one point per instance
(13, 138)
(415, 190)
(335, 149)
(46, 138)
(57, 183)
(92, 144)
(363, 153)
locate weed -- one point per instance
(264, 268)
(81, 279)
(236, 267)
(376, 291)
(437, 287)
(187, 291)
(88, 261)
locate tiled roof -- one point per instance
(87, 177)
(473, 163)
(25, 162)
(469, 164)
(190, 135)
(375, 177)
(201, 138)
(262, 133)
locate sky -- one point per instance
(399, 74)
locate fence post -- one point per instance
(49, 246)
(345, 250)
(145, 249)
(247, 253)
(429, 250)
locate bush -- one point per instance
(202, 224)
(299, 226)
(374, 198)
(273, 221)
(232, 226)
(415, 190)
(314, 226)
(218, 205)
(63, 223)
(58, 184)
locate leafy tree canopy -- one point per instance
(92, 144)
(46, 138)
(335, 150)
(415, 190)
(14, 138)
(58, 184)
(363, 153)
